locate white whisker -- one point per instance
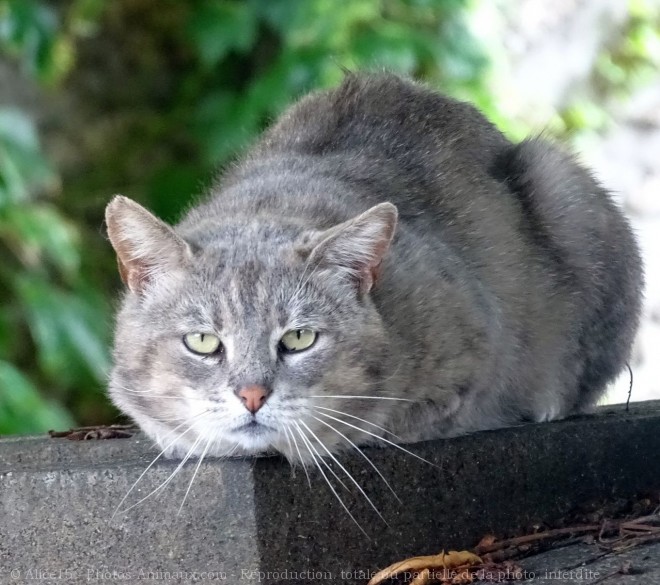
(348, 474)
(363, 397)
(369, 461)
(357, 418)
(302, 461)
(379, 438)
(325, 463)
(199, 464)
(334, 491)
(288, 443)
(163, 485)
(152, 394)
(189, 420)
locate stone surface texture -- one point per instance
(258, 520)
(586, 564)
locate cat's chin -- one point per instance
(255, 441)
(225, 449)
(238, 444)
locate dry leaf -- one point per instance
(420, 565)
(422, 578)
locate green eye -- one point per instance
(298, 339)
(202, 343)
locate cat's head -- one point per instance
(250, 334)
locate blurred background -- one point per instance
(150, 98)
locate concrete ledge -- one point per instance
(245, 515)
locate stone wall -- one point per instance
(63, 510)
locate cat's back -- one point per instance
(376, 137)
(387, 117)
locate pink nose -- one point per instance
(253, 397)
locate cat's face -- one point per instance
(253, 341)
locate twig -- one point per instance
(650, 518)
(514, 552)
(96, 433)
(636, 541)
(631, 533)
(629, 388)
(640, 527)
(532, 538)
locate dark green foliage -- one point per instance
(52, 329)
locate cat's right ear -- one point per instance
(356, 248)
(146, 247)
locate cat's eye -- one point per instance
(298, 340)
(202, 343)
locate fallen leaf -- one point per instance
(422, 578)
(420, 565)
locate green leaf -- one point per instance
(67, 330)
(170, 187)
(40, 232)
(390, 46)
(6, 330)
(23, 169)
(29, 29)
(224, 123)
(322, 24)
(17, 128)
(12, 185)
(220, 27)
(23, 410)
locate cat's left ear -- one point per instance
(147, 248)
(357, 247)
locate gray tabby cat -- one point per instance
(383, 266)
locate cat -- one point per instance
(384, 266)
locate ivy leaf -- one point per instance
(30, 30)
(65, 328)
(220, 27)
(23, 409)
(7, 328)
(40, 233)
(391, 47)
(23, 170)
(224, 123)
